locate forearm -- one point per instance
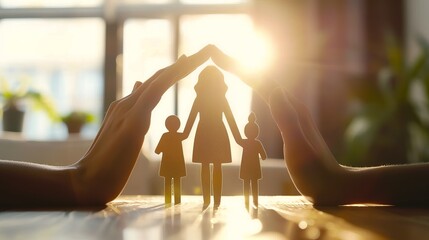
(396, 185)
(26, 184)
(401, 185)
(95, 180)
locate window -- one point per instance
(62, 58)
(62, 48)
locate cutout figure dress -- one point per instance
(211, 144)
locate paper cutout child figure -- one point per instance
(250, 170)
(172, 162)
(211, 144)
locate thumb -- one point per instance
(137, 84)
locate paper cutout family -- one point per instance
(211, 143)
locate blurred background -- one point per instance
(361, 66)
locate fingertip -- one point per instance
(211, 47)
(215, 47)
(182, 57)
(137, 84)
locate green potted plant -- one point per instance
(391, 124)
(75, 120)
(14, 98)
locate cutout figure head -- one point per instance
(172, 123)
(251, 130)
(211, 83)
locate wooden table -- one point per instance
(278, 217)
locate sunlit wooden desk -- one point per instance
(283, 217)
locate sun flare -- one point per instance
(255, 54)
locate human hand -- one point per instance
(310, 162)
(112, 156)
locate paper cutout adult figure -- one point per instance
(211, 144)
(250, 169)
(172, 162)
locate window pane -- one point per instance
(147, 48)
(228, 32)
(48, 3)
(63, 60)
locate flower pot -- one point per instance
(74, 126)
(76, 120)
(13, 119)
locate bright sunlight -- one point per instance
(255, 54)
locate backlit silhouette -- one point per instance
(211, 144)
(250, 170)
(172, 163)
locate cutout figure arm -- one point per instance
(159, 148)
(190, 121)
(101, 174)
(314, 169)
(232, 124)
(262, 151)
(182, 136)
